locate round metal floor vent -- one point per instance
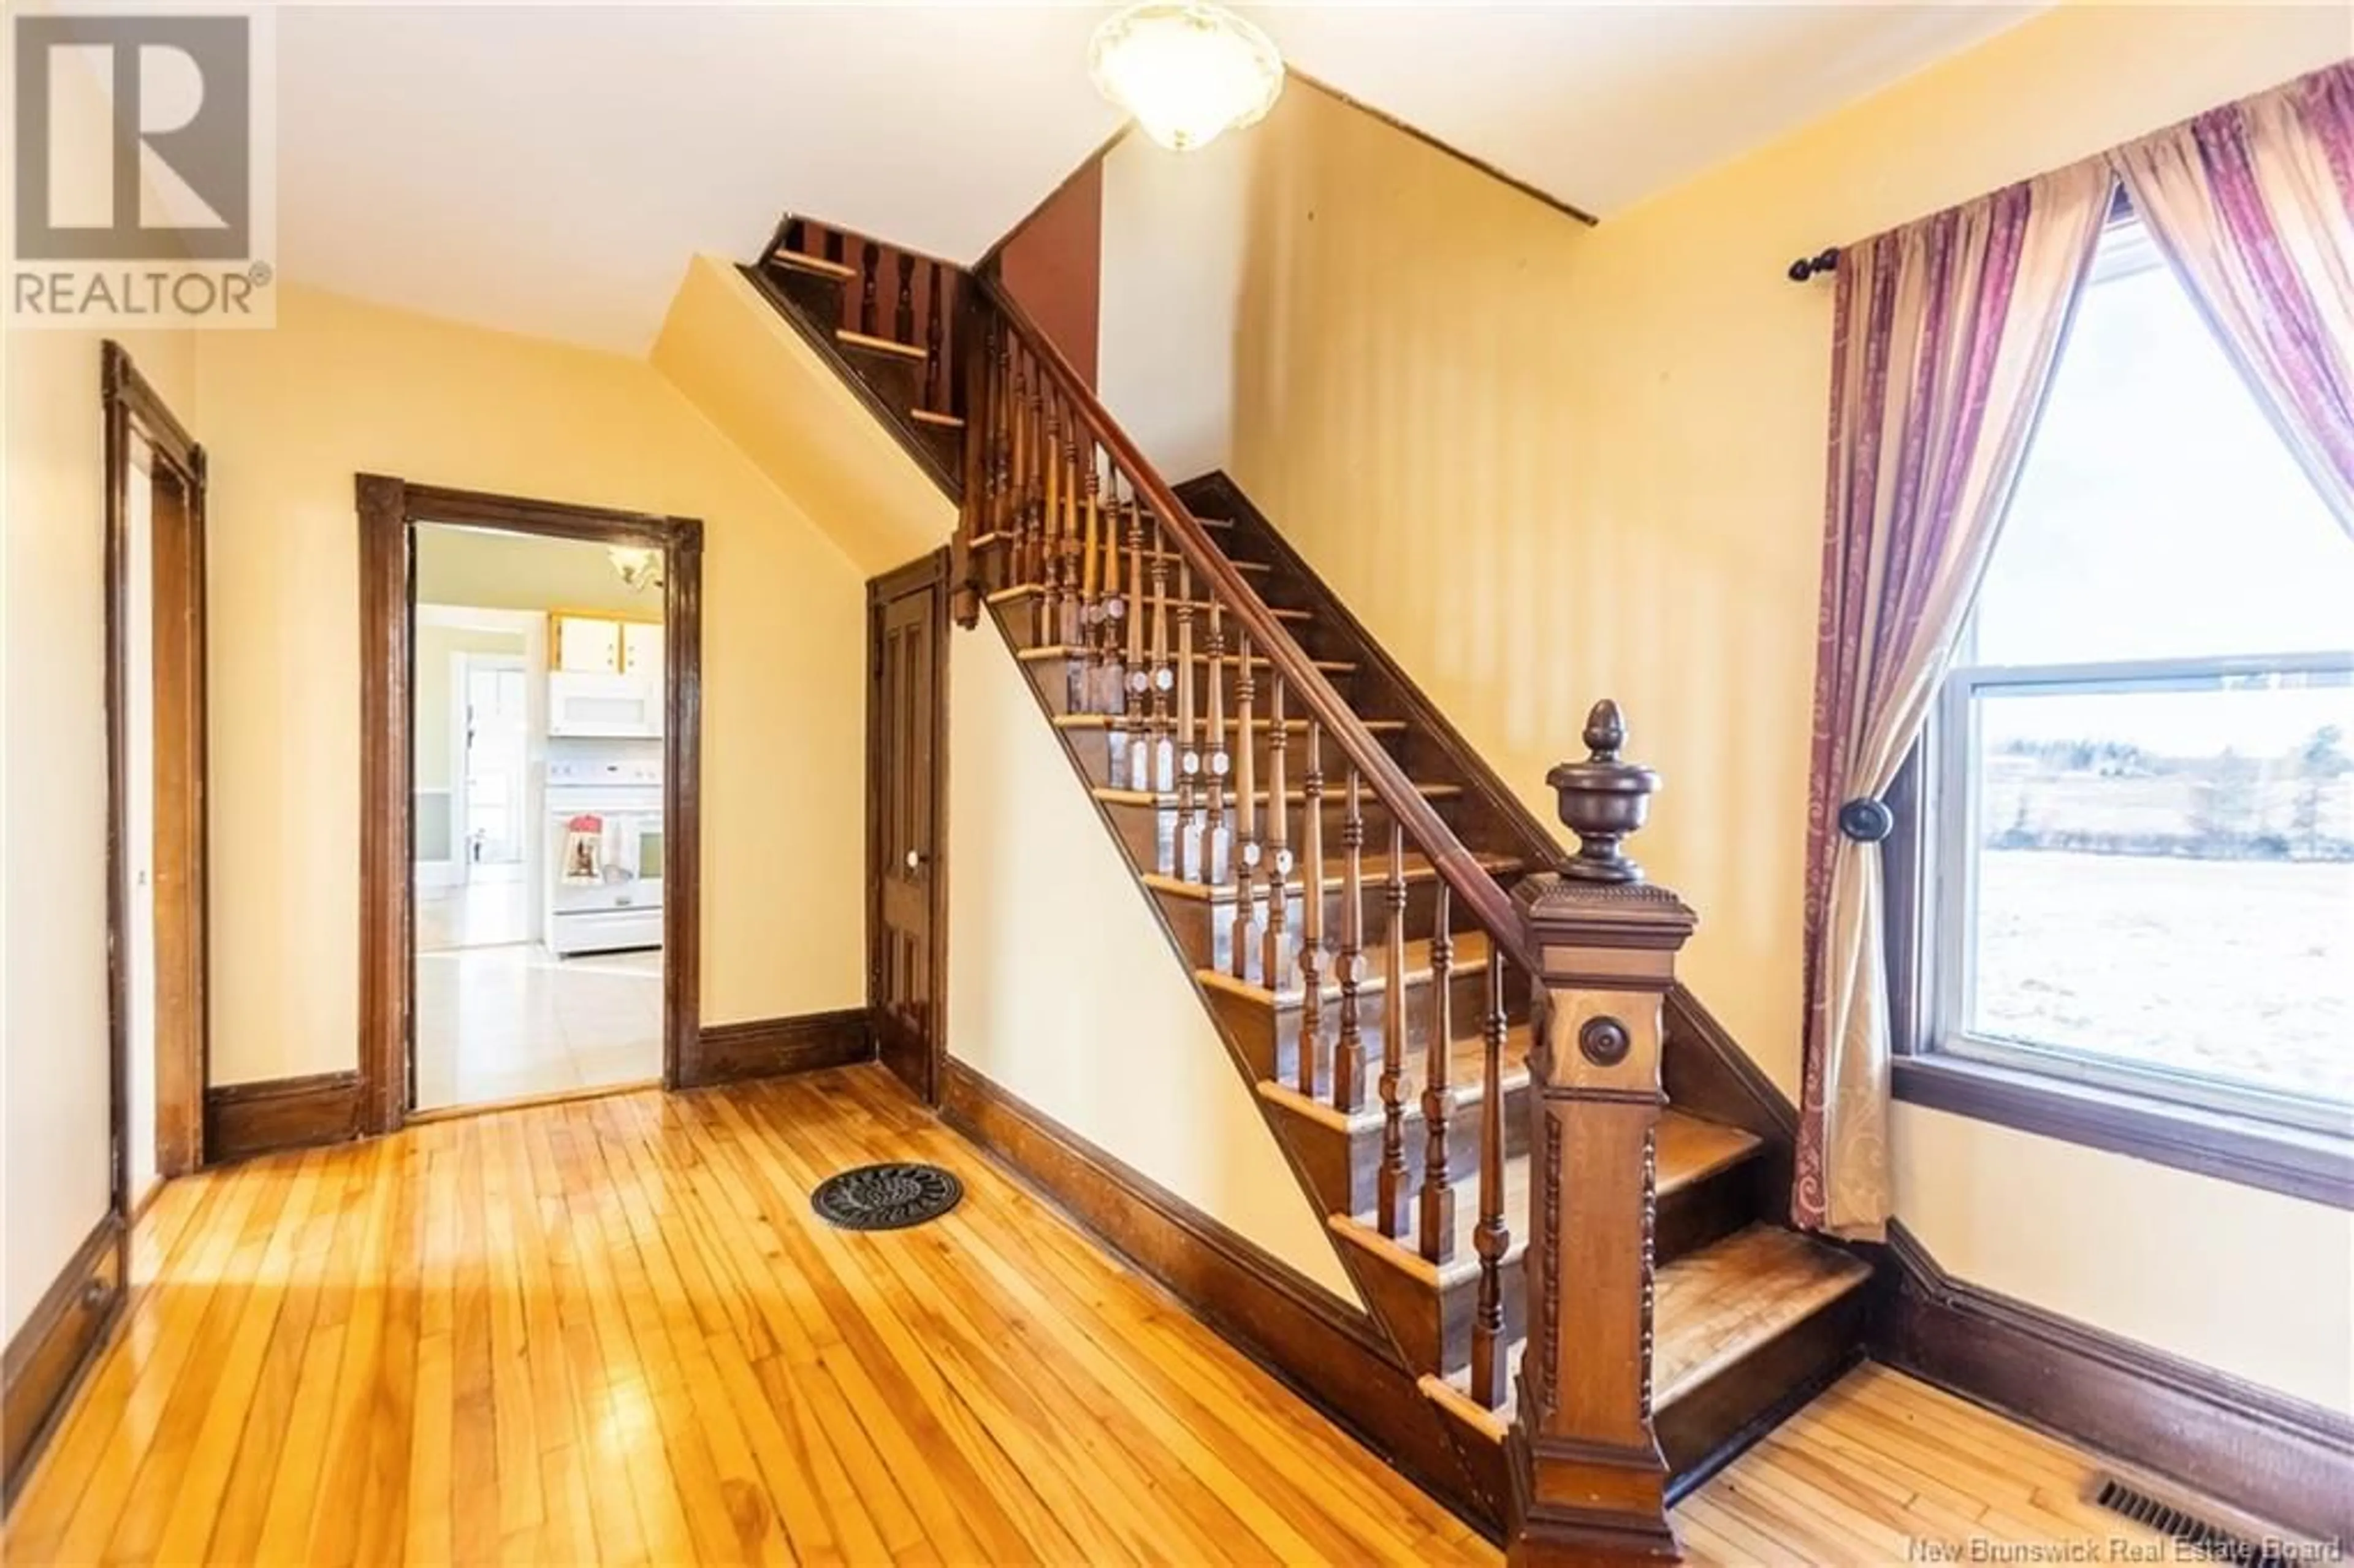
(886, 1197)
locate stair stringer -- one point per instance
(1395, 1419)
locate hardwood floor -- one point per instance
(612, 1331)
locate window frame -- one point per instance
(1953, 848)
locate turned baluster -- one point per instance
(935, 339)
(1189, 744)
(1275, 963)
(902, 319)
(870, 266)
(1125, 774)
(1053, 589)
(1071, 628)
(1394, 1195)
(1247, 848)
(1087, 646)
(1437, 1095)
(1108, 670)
(1215, 849)
(1349, 1049)
(1491, 1239)
(1031, 416)
(1312, 914)
(1161, 755)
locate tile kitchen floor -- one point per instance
(501, 1023)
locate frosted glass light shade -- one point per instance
(637, 567)
(1189, 72)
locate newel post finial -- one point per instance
(1603, 799)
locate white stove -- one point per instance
(605, 848)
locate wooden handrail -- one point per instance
(1455, 864)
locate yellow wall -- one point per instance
(53, 826)
(1098, 1027)
(340, 386)
(1546, 464)
(752, 375)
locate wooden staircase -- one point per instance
(1344, 876)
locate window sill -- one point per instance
(2314, 1166)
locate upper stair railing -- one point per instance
(1091, 557)
(1062, 511)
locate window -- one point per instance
(2142, 766)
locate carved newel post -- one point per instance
(1589, 1481)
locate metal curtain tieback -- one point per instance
(1866, 820)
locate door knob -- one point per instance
(915, 860)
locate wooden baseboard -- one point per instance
(771, 1047)
(242, 1120)
(2267, 1454)
(49, 1356)
(1329, 1353)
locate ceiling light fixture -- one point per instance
(638, 567)
(1189, 72)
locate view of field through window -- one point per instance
(2163, 857)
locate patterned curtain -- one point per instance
(2253, 203)
(1946, 334)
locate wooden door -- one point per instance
(906, 924)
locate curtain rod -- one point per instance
(1815, 266)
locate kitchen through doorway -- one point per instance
(537, 768)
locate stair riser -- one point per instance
(896, 380)
(1092, 748)
(1087, 686)
(1151, 837)
(1204, 927)
(1685, 1221)
(1709, 1427)
(1269, 1034)
(819, 296)
(1345, 1165)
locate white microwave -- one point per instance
(600, 703)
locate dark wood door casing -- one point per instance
(135, 412)
(389, 510)
(907, 867)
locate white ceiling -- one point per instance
(550, 169)
(1600, 105)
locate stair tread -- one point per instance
(1374, 868)
(1690, 1150)
(1466, 1071)
(1711, 1309)
(934, 417)
(802, 261)
(855, 339)
(1047, 652)
(1199, 605)
(1295, 797)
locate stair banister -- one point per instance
(1487, 902)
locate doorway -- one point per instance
(907, 752)
(156, 772)
(531, 700)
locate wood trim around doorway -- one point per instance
(389, 510)
(134, 408)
